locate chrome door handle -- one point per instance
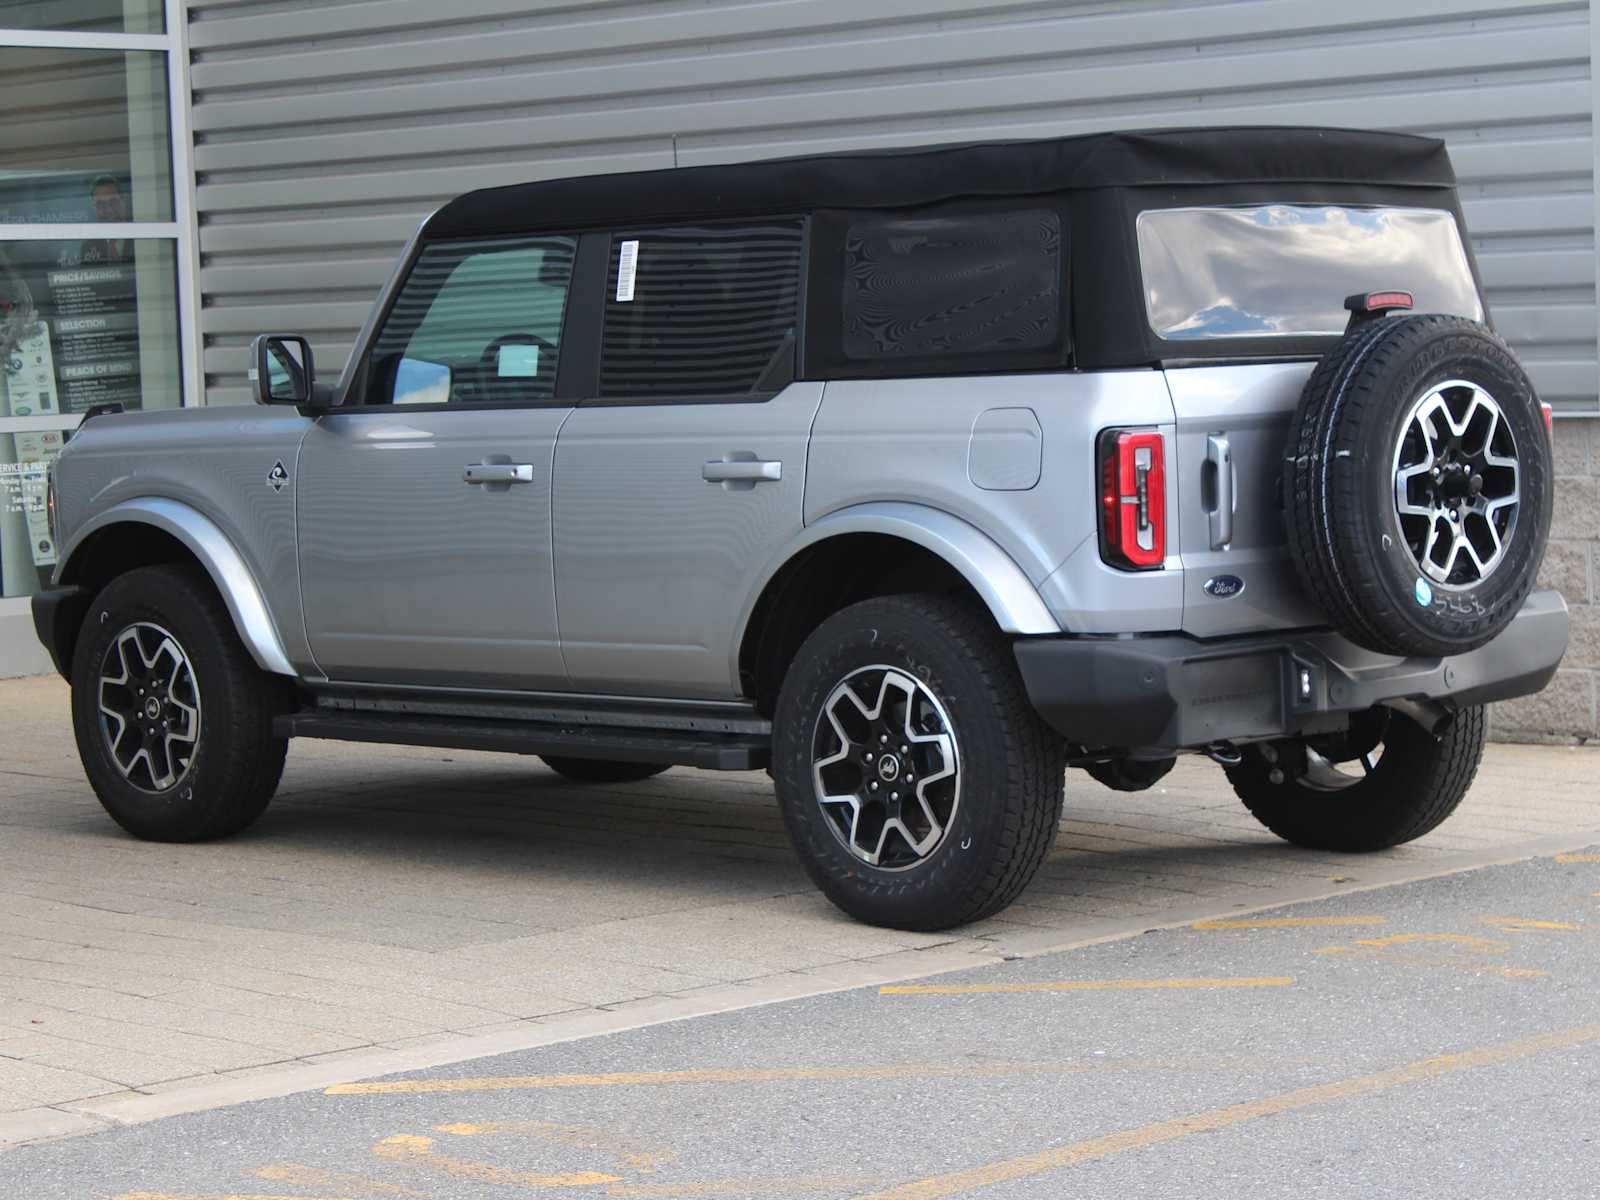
(1219, 464)
(498, 473)
(723, 471)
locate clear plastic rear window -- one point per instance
(1283, 270)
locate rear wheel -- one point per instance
(173, 718)
(918, 785)
(600, 770)
(1385, 782)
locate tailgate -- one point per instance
(1232, 428)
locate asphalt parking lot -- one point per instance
(1435, 1039)
(402, 909)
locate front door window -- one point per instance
(477, 322)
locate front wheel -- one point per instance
(918, 785)
(1386, 782)
(172, 717)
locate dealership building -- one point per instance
(178, 175)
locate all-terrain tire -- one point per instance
(1413, 787)
(1009, 765)
(222, 781)
(600, 770)
(1346, 537)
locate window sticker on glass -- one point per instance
(518, 362)
(627, 263)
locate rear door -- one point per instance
(683, 474)
(1232, 427)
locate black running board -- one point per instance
(714, 751)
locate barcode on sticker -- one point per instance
(626, 265)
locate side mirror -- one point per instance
(281, 369)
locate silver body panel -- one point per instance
(911, 441)
(202, 475)
(653, 560)
(410, 573)
(1246, 409)
(632, 561)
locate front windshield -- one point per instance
(1281, 270)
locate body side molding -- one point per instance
(216, 553)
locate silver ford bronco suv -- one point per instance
(914, 477)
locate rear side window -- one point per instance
(942, 287)
(1282, 270)
(476, 322)
(701, 312)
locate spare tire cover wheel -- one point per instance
(1418, 485)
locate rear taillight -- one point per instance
(1133, 500)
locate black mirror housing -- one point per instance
(282, 370)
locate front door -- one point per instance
(680, 481)
(424, 501)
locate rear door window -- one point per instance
(1284, 270)
(702, 312)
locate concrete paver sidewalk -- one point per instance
(404, 898)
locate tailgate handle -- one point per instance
(1217, 486)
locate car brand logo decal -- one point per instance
(278, 476)
(1224, 587)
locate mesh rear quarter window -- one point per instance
(921, 287)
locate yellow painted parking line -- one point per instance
(1285, 922)
(507, 1083)
(624, 1150)
(1078, 985)
(1527, 925)
(777, 1185)
(301, 1176)
(1572, 858)
(957, 1183)
(1457, 939)
(412, 1148)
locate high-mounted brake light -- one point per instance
(1133, 500)
(1377, 303)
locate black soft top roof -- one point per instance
(905, 178)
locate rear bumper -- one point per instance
(1175, 692)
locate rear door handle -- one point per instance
(498, 473)
(723, 471)
(1219, 465)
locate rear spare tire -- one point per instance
(1417, 485)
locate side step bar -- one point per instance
(715, 751)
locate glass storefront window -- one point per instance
(27, 551)
(84, 16)
(85, 137)
(88, 323)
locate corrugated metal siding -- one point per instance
(325, 131)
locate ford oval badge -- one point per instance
(1224, 587)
